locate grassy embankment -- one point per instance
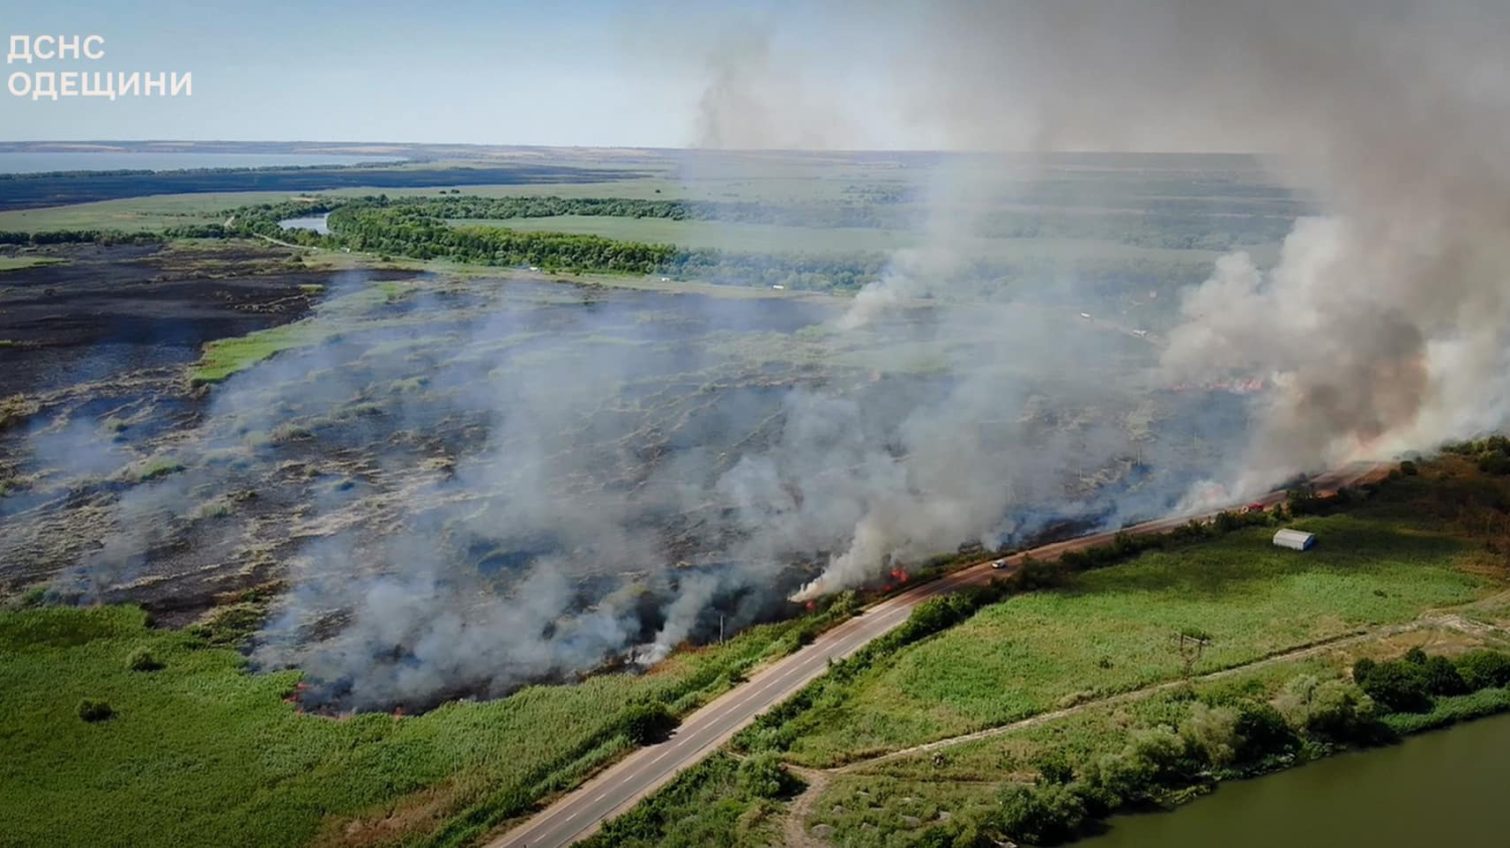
(1088, 683)
(201, 752)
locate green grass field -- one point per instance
(224, 357)
(16, 263)
(1116, 629)
(133, 214)
(201, 752)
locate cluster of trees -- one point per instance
(1492, 454)
(418, 228)
(1308, 717)
(1161, 764)
(750, 212)
(797, 272)
(105, 237)
(1411, 683)
(407, 230)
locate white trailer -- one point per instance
(1295, 540)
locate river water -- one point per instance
(311, 222)
(38, 162)
(1445, 788)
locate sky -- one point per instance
(578, 73)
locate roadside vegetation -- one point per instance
(1139, 674)
(121, 734)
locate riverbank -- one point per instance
(1433, 789)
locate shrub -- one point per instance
(1054, 768)
(92, 710)
(1442, 677)
(1035, 574)
(142, 659)
(1154, 760)
(1409, 468)
(1484, 669)
(1042, 815)
(644, 724)
(764, 776)
(1262, 732)
(1330, 710)
(1213, 731)
(1399, 687)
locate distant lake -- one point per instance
(34, 163)
(312, 222)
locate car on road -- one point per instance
(999, 563)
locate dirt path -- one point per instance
(1436, 619)
(793, 832)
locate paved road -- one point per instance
(614, 791)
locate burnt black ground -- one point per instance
(109, 310)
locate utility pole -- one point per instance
(720, 628)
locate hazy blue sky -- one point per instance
(586, 72)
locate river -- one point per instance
(1444, 788)
(40, 162)
(310, 222)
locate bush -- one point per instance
(645, 724)
(1054, 768)
(1407, 684)
(142, 659)
(764, 776)
(1331, 710)
(92, 710)
(1213, 731)
(1442, 677)
(1484, 669)
(1398, 687)
(1154, 760)
(1262, 732)
(1042, 815)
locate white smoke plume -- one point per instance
(1382, 327)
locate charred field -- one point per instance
(457, 485)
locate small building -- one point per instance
(1295, 540)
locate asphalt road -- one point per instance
(612, 792)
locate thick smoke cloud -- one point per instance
(1382, 326)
